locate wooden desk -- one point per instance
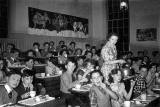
(51, 84)
(51, 103)
(152, 101)
(83, 95)
(39, 68)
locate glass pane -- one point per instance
(114, 23)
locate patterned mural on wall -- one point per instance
(43, 22)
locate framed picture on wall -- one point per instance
(42, 22)
(148, 34)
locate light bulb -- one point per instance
(123, 4)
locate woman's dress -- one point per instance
(108, 53)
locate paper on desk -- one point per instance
(32, 101)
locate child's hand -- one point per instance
(26, 95)
(84, 80)
(103, 85)
(31, 87)
(157, 74)
(120, 100)
(132, 83)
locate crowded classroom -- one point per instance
(79, 53)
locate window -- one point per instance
(118, 22)
(3, 18)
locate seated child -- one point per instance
(7, 92)
(141, 83)
(26, 85)
(100, 95)
(117, 86)
(66, 83)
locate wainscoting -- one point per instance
(25, 44)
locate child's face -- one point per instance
(153, 69)
(72, 45)
(79, 52)
(46, 46)
(93, 51)
(30, 63)
(144, 72)
(96, 79)
(117, 77)
(89, 55)
(36, 47)
(16, 55)
(139, 62)
(90, 66)
(71, 66)
(64, 54)
(27, 80)
(30, 54)
(13, 80)
(80, 62)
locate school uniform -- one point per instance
(7, 95)
(21, 89)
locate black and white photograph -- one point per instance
(55, 22)
(79, 53)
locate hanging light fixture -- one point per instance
(123, 4)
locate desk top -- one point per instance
(36, 100)
(45, 77)
(138, 102)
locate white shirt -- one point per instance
(8, 88)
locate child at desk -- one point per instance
(7, 92)
(26, 86)
(100, 95)
(66, 83)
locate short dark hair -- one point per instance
(61, 52)
(51, 42)
(152, 64)
(96, 71)
(80, 57)
(13, 72)
(112, 34)
(72, 43)
(30, 50)
(28, 58)
(88, 61)
(88, 52)
(45, 43)
(11, 44)
(143, 66)
(27, 73)
(78, 49)
(36, 43)
(63, 46)
(136, 59)
(62, 42)
(70, 60)
(15, 50)
(87, 45)
(99, 72)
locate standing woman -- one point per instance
(109, 55)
